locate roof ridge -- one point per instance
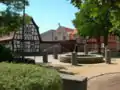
(67, 27)
(48, 31)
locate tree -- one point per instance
(77, 3)
(10, 19)
(103, 12)
(88, 26)
(15, 5)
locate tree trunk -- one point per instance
(99, 44)
(105, 39)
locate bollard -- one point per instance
(45, 57)
(55, 54)
(85, 49)
(74, 60)
(107, 56)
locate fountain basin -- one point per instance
(82, 58)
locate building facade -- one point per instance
(25, 42)
(64, 33)
(48, 36)
(60, 34)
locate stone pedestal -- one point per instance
(55, 56)
(85, 49)
(73, 82)
(45, 57)
(74, 60)
(107, 56)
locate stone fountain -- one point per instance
(81, 57)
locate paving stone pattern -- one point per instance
(105, 82)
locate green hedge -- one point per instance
(28, 77)
(5, 54)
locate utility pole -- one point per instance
(23, 30)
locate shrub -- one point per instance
(25, 61)
(28, 77)
(5, 54)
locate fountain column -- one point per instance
(85, 49)
(85, 45)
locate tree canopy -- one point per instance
(113, 3)
(87, 25)
(95, 16)
(15, 5)
(10, 18)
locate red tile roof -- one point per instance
(69, 29)
(74, 31)
(66, 29)
(6, 38)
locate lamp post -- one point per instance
(23, 27)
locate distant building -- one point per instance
(48, 36)
(60, 34)
(113, 41)
(63, 33)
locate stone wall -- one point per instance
(74, 82)
(50, 47)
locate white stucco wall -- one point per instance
(61, 33)
(48, 36)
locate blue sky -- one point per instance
(47, 15)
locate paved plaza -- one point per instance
(88, 70)
(101, 76)
(105, 82)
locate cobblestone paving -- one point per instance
(87, 70)
(105, 82)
